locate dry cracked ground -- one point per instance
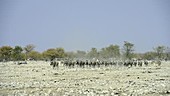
(40, 79)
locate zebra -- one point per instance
(54, 64)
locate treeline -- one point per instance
(17, 53)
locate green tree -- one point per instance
(167, 53)
(159, 51)
(35, 55)
(6, 53)
(16, 54)
(71, 55)
(149, 55)
(60, 52)
(138, 55)
(54, 53)
(80, 54)
(50, 54)
(93, 53)
(103, 53)
(113, 51)
(128, 49)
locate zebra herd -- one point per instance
(100, 64)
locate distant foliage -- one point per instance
(6, 53)
(60, 52)
(149, 55)
(54, 53)
(17, 53)
(80, 54)
(160, 51)
(93, 53)
(167, 53)
(112, 51)
(70, 55)
(128, 49)
(28, 48)
(35, 55)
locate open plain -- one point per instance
(38, 78)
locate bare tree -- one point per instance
(28, 48)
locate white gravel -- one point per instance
(40, 79)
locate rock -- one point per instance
(56, 73)
(127, 75)
(116, 93)
(167, 92)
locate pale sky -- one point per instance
(83, 24)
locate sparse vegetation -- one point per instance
(54, 53)
(17, 53)
(159, 50)
(8, 53)
(28, 49)
(128, 49)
